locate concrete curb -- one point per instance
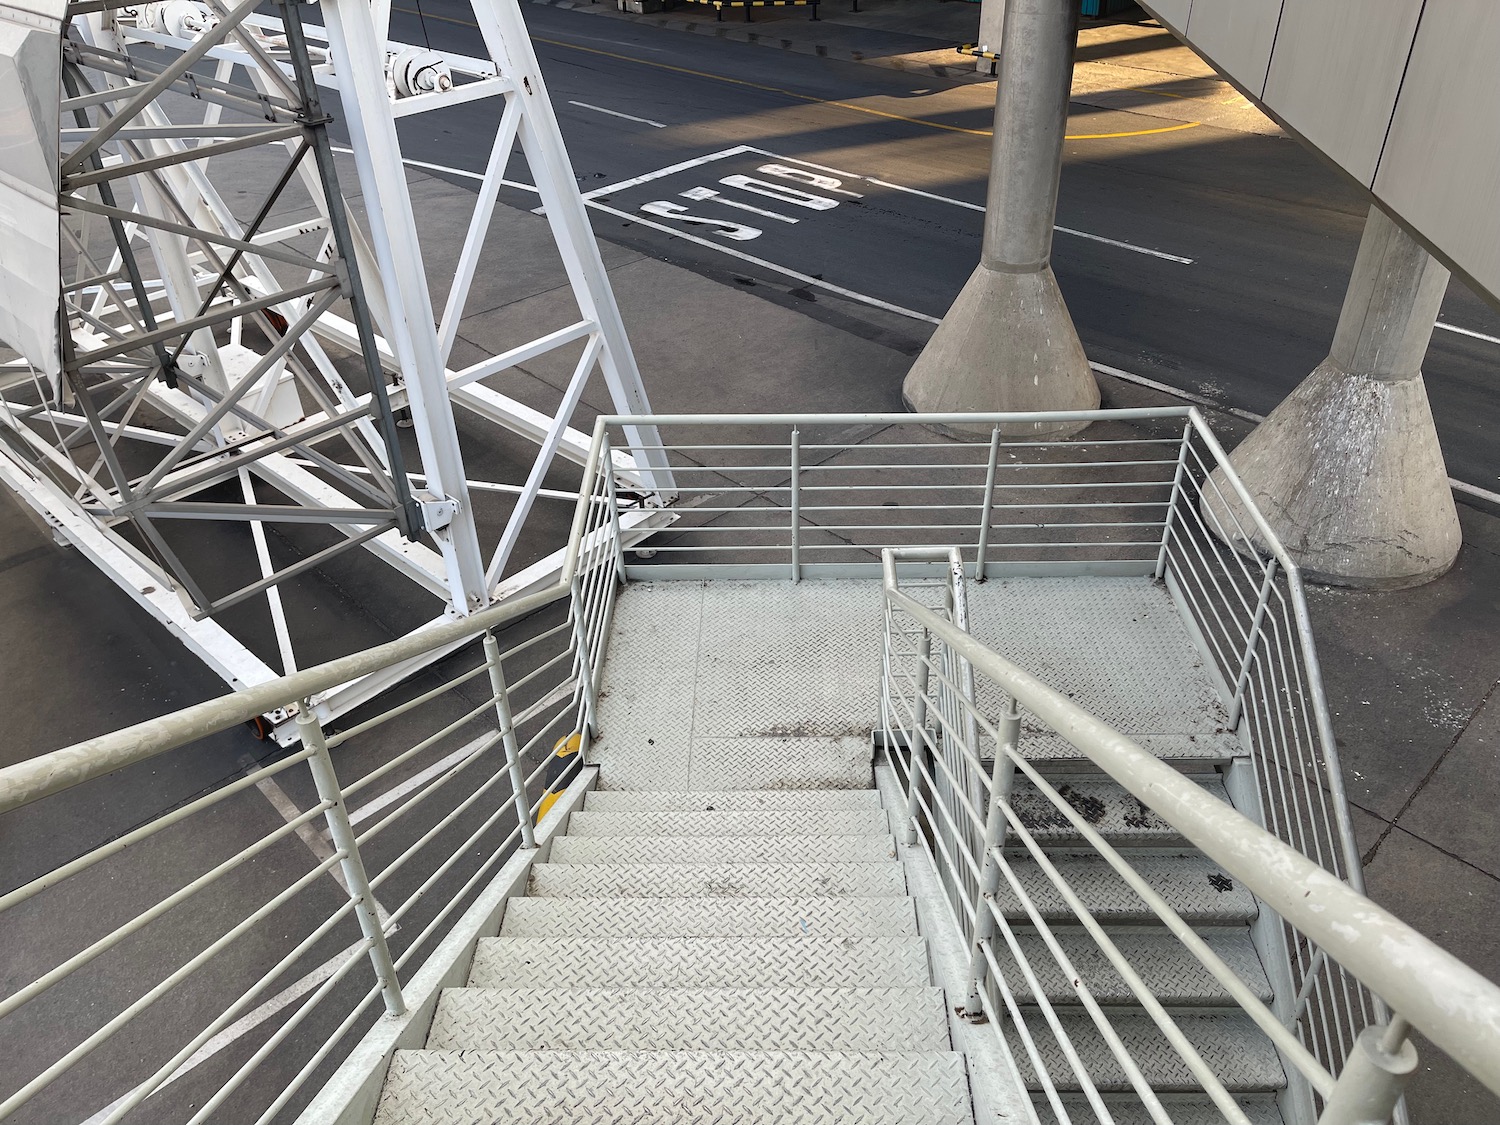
(926, 63)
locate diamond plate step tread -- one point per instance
(711, 1019)
(1232, 1046)
(699, 962)
(799, 822)
(1194, 1111)
(731, 800)
(695, 762)
(1104, 805)
(1052, 753)
(1192, 885)
(1118, 646)
(733, 658)
(723, 849)
(1170, 971)
(716, 880)
(720, 917)
(631, 1087)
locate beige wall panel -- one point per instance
(1441, 168)
(1335, 72)
(1236, 35)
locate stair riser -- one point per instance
(723, 849)
(749, 917)
(835, 880)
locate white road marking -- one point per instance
(683, 166)
(617, 113)
(1061, 230)
(772, 266)
(699, 194)
(321, 849)
(419, 779)
(1249, 416)
(1467, 332)
(875, 302)
(242, 1026)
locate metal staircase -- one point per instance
(724, 931)
(886, 806)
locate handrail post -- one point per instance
(1002, 781)
(989, 503)
(1373, 1077)
(1172, 500)
(1237, 703)
(917, 744)
(508, 738)
(796, 503)
(341, 833)
(612, 498)
(585, 665)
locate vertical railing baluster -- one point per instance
(584, 664)
(1172, 500)
(508, 738)
(1002, 779)
(989, 504)
(1252, 637)
(341, 833)
(917, 743)
(612, 498)
(1374, 1075)
(796, 501)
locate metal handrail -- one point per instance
(57, 770)
(1457, 1008)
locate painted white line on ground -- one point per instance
(1467, 332)
(321, 849)
(671, 169)
(1062, 230)
(1188, 396)
(617, 113)
(417, 780)
(863, 298)
(242, 1026)
(806, 279)
(1202, 400)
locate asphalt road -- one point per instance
(1268, 233)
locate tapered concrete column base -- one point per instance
(1007, 343)
(1348, 473)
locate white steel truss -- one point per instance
(198, 361)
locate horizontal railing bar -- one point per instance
(120, 843)
(1451, 1003)
(1128, 414)
(62, 769)
(426, 743)
(162, 987)
(119, 933)
(489, 742)
(401, 709)
(151, 1084)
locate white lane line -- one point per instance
(242, 1026)
(1467, 332)
(1061, 230)
(806, 279)
(617, 113)
(862, 298)
(1249, 416)
(417, 780)
(321, 849)
(671, 169)
(1188, 396)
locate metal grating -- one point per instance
(712, 1019)
(716, 880)
(747, 1088)
(686, 917)
(723, 849)
(651, 822)
(734, 800)
(701, 962)
(1192, 885)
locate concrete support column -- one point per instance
(1347, 470)
(991, 25)
(1008, 342)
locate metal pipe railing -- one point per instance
(1450, 1003)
